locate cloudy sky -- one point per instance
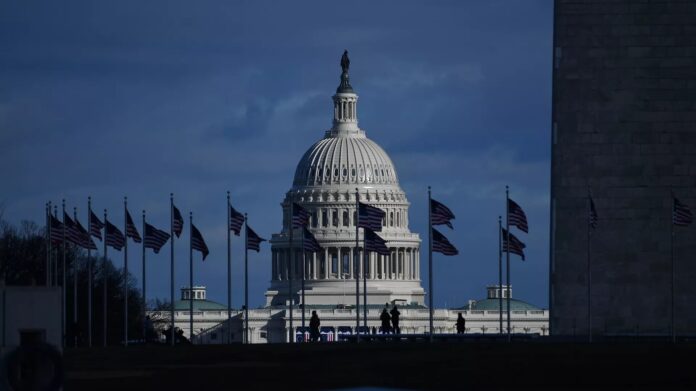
(114, 98)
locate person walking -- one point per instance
(385, 318)
(314, 327)
(461, 323)
(395, 320)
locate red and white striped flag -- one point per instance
(516, 216)
(131, 231)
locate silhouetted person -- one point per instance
(374, 330)
(314, 324)
(395, 320)
(385, 318)
(149, 330)
(461, 323)
(180, 339)
(168, 335)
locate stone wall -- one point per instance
(624, 125)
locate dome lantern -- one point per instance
(345, 118)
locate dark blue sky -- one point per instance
(114, 98)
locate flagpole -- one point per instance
(75, 290)
(144, 316)
(229, 273)
(246, 280)
(500, 273)
(89, 273)
(430, 262)
(171, 287)
(291, 274)
(63, 303)
(54, 275)
(366, 261)
(49, 268)
(589, 268)
(125, 271)
(48, 242)
(356, 265)
(671, 246)
(304, 266)
(104, 279)
(191, 277)
(507, 257)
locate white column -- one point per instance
(418, 276)
(389, 264)
(396, 263)
(360, 264)
(373, 265)
(402, 263)
(314, 266)
(410, 264)
(380, 262)
(326, 264)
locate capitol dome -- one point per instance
(340, 169)
(345, 159)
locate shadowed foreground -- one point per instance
(470, 365)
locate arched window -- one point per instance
(352, 171)
(355, 217)
(398, 219)
(391, 219)
(334, 221)
(324, 218)
(345, 218)
(314, 219)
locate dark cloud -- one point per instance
(146, 98)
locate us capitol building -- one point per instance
(325, 184)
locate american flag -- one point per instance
(516, 216)
(72, 235)
(131, 231)
(95, 226)
(310, 242)
(197, 242)
(440, 214)
(516, 246)
(375, 243)
(56, 230)
(253, 240)
(442, 245)
(681, 214)
(154, 238)
(593, 215)
(113, 236)
(86, 241)
(370, 217)
(300, 216)
(236, 221)
(177, 221)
